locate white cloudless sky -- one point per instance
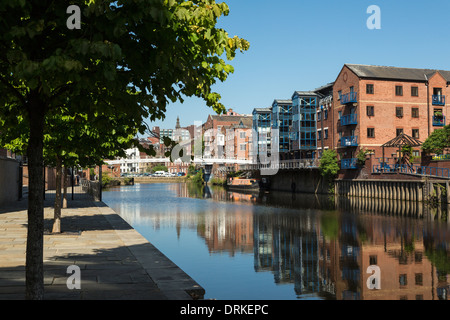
(301, 45)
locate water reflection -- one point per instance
(321, 246)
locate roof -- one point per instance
(262, 110)
(225, 118)
(403, 140)
(282, 101)
(395, 73)
(305, 93)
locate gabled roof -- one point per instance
(282, 101)
(395, 73)
(403, 140)
(262, 110)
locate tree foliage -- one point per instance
(438, 141)
(329, 166)
(128, 61)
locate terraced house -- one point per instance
(374, 104)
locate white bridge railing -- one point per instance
(285, 164)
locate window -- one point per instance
(373, 260)
(403, 280)
(370, 132)
(437, 91)
(369, 88)
(399, 112)
(399, 132)
(415, 133)
(242, 134)
(370, 111)
(325, 134)
(339, 94)
(415, 112)
(340, 115)
(325, 114)
(398, 90)
(414, 91)
(319, 135)
(419, 279)
(242, 147)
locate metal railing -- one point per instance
(349, 119)
(351, 141)
(438, 100)
(349, 98)
(412, 169)
(349, 163)
(285, 164)
(438, 121)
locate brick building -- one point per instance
(374, 104)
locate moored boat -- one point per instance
(243, 184)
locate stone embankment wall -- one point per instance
(9, 180)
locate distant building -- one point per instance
(281, 121)
(261, 126)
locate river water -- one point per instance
(283, 246)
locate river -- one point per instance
(283, 246)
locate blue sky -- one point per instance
(302, 45)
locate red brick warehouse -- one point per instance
(374, 104)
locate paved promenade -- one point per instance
(115, 261)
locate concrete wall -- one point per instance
(9, 180)
(299, 181)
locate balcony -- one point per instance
(438, 121)
(349, 119)
(349, 98)
(438, 100)
(349, 163)
(351, 141)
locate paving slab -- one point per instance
(115, 262)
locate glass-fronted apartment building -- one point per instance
(261, 132)
(282, 121)
(303, 131)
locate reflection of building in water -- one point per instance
(230, 232)
(287, 246)
(329, 253)
(411, 267)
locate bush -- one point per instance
(329, 167)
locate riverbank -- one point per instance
(115, 261)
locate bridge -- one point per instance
(245, 164)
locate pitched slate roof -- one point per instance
(262, 110)
(395, 73)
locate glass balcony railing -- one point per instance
(438, 100)
(351, 141)
(438, 121)
(349, 163)
(349, 98)
(349, 119)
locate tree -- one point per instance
(128, 58)
(438, 141)
(329, 164)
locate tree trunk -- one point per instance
(65, 172)
(34, 273)
(57, 211)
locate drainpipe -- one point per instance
(428, 104)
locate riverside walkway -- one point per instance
(115, 261)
